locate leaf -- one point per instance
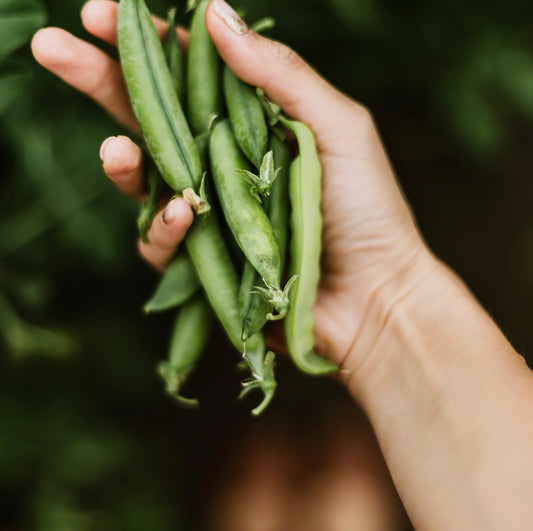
(12, 82)
(177, 284)
(19, 19)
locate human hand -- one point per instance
(370, 239)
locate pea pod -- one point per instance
(202, 74)
(255, 308)
(178, 284)
(217, 274)
(189, 337)
(305, 184)
(245, 216)
(148, 210)
(246, 117)
(175, 57)
(154, 100)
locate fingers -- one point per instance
(99, 17)
(87, 69)
(284, 76)
(166, 233)
(123, 164)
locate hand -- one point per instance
(370, 239)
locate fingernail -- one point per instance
(230, 17)
(168, 213)
(103, 146)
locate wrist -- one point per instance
(402, 314)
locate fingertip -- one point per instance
(99, 18)
(48, 46)
(120, 155)
(177, 213)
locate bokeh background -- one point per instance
(88, 440)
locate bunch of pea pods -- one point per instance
(252, 254)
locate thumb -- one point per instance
(284, 76)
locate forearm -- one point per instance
(452, 406)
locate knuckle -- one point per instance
(286, 56)
(362, 120)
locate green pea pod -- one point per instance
(217, 274)
(154, 100)
(189, 337)
(175, 57)
(178, 284)
(278, 204)
(245, 216)
(149, 208)
(203, 68)
(255, 309)
(305, 188)
(247, 118)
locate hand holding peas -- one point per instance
(369, 234)
(416, 350)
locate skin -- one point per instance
(449, 399)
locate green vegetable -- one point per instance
(202, 74)
(245, 216)
(246, 117)
(178, 284)
(175, 57)
(255, 308)
(154, 99)
(150, 207)
(189, 338)
(305, 185)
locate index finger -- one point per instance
(86, 68)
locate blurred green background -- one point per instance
(88, 440)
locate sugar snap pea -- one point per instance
(245, 216)
(154, 100)
(305, 182)
(255, 309)
(246, 117)
(150, 207)
(178, 284)
(175, 57)
(189, 337)
(203, 65)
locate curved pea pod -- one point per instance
(214, 267)
(154, 100)
(305, 187)
(178, 284)
(190, 335)
(246, 117)
(244, 215)
(203, 72)
(175, 57)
